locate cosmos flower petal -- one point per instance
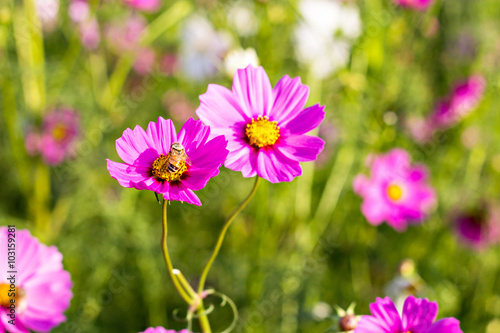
(290, 96)
(275, 167)
(4, 322)
(211, 154)
(192, 135)
(253, 90)
(418, 314)
(445, 325)
(301, 148)
(162, 330)
(360, 183)
(198, 177)
(179, 192)
(127, 174)
(369, 324)
(306, 120)
(45, 284)
(162, 135)
(243, 159)
(220, 108)
(133, 143)
(387, 314)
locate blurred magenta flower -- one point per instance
(479, 228)
(124, 35)
(397, 192)
(144, 5)
(162, 330)
(265, 126)
(57, 139)
(155, 161)
(414, 4)
(42, 286)
(463, 100)
(418, 316)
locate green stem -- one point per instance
(223, 234)
(166, 256)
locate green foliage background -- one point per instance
(295, 244)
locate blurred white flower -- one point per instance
(239, 58)
(202, 48)
(47, 11)
(323, 39)
(241, 17)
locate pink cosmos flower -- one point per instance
(479, 228)
(155, 161)
(414, 4)
(464, 99)
(42, 287)
(162, 330)
(57, 138)
(397, 192)
(265, 126)
(419, 316)
(144, 5)
(90, 34)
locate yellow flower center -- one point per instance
(261, 132)
(168, 170)
(6, 294)
(59, 132)
(395, 192)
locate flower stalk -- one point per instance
(218, 245)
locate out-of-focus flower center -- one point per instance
(348, 322)
(167, 168)
(261, 132)
(59, 132)
(395, 192)
(7, 294)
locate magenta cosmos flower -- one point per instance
(479, 228)
(42, 287)
(265, 126)
(57, 139)
(419, 316)
(161, 161)
(397, 192)
(414, 4)
(162, 330)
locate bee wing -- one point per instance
(188, 161)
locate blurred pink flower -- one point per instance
(420, 129)
(144, 5)
(169, 64)
(79, 10)
(57, 138)
(147, 156)
(90, 34)
(124, 35)
(329, 133)
(162, 330)
(479, 228)
(414, 4)
(397, 192)
(178, 106)
(42, 286)
(47, 11)
(463, 100)
(266, 127)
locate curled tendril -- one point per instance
(226, 300)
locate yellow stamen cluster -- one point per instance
(160, 169)
(262, 132)
(4, 295)
(395, 192)
(59, 132)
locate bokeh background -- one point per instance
(298, 248)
